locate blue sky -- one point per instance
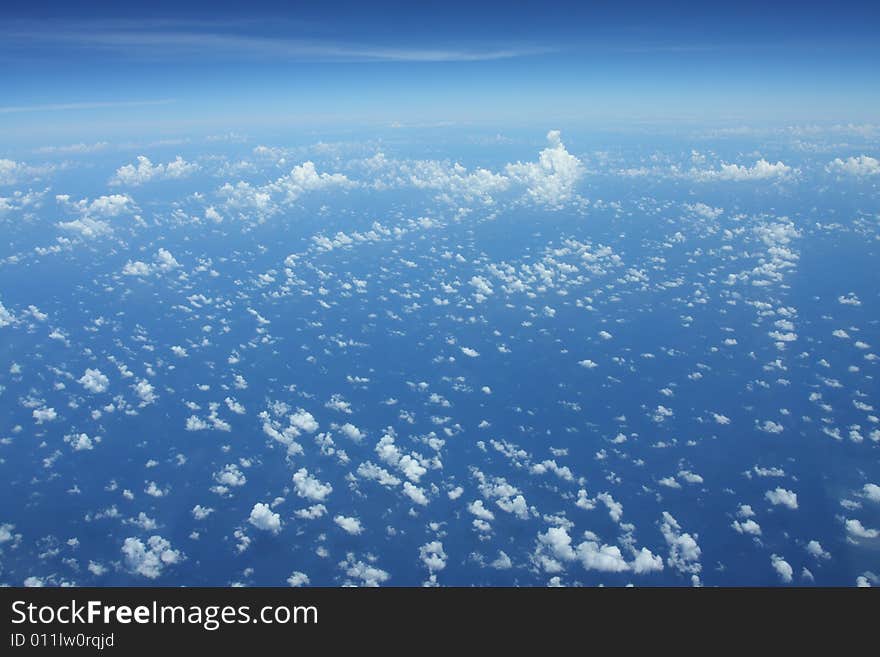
(99, 67)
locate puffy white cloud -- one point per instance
(862, 165)
(149, 560)
(684, 552)
(760, 170)
(352, 432)
(230, 475)
(415, 493)
(94, 381)
(433, 556)
(370, 470)
(12, 172)
(145, 171)
(553, 178)
(262, 517)
(79, 442)
(144, 391)
(44, 415)
(604, 558)
(476, 507)
(855, 529)
(136, 268)
(871, 492)
(304, 421)
(309, 487)
(87, 227)
(6, 316)
(362, 573)
(200, 512)
(646, 562)
(782, 568)
(298, 579)
(270, 198)
(747, 527)
(782, 497)
(815, 549)
(502, 562)
(163, 261)
(349, 524)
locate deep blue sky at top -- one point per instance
(104, 66)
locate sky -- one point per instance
(472, 294)
(103, 67)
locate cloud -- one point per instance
(871, 492)
(92, 222)
(350, 525)
(12, 172)
(815, 549)
(363, 573)
(151, 559)
(268, 199)
(63, 107)
(94, 381)
(856, 529)
(433, 556)
(760, 170)
(552, 179)
(163, 262)
(298, 579)
(309, 487)
(605, 558)
(145, 171)
(172, 41)
(415, 493)
(782, 497)
(782, 568)
(860, 166)
(684, 552)
(262, 517)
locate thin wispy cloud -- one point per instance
(166, 40)
(60, 107)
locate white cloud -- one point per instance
(145, 171)
(79, 442)
(476, 507)
(352, 432)
(782, 568)
(856, 529)
(268, 199)
(363, 573)
(862, 165)
(304, 421)
(815, 549)
(761, 170)
(262, 517)
(605, 558)
(782, 497)
(298, 579)
(747, 527)
(684, 552)
(200, 512)
(415, 493)
(871, 492)
(309, 487)
(163, 260)
(433, 556)
(553, 178)
(350, 525)
(94, 381)
(149, 560)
